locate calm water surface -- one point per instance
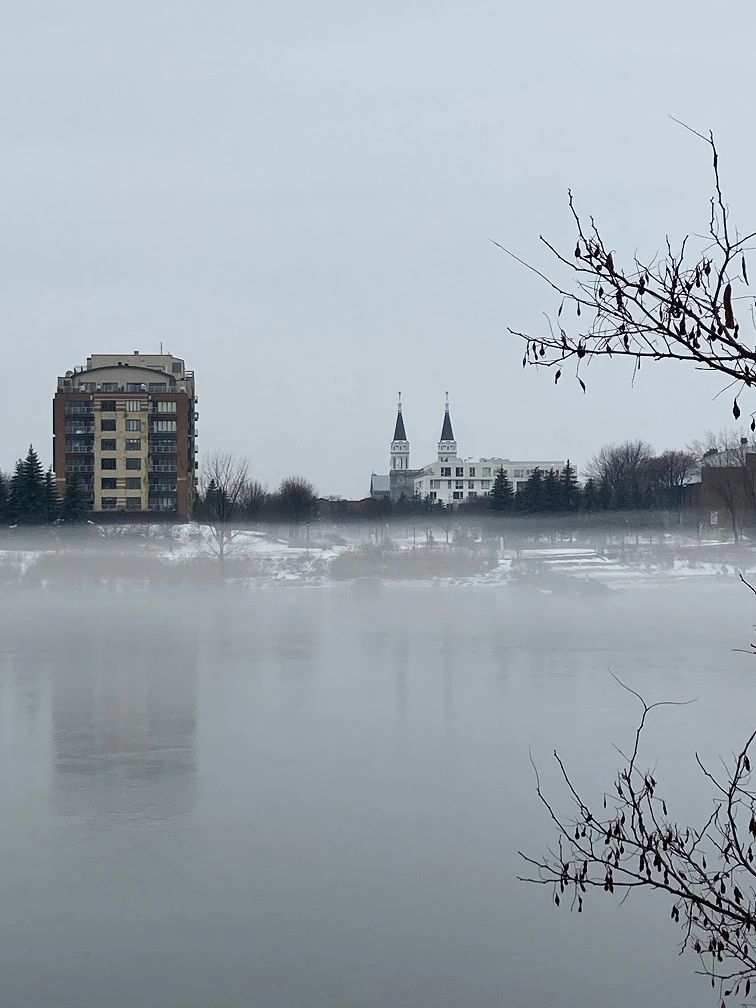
(315, 798)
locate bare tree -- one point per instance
(224, 484)
(682, 305)
(297, 500)
(669, 473)
(631, 841)
(622, 469)
(255, 499)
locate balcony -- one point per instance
(78, 409)
(163, 466)
(79, 427)
(79, 448)
(162, 487)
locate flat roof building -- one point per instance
(125, 426)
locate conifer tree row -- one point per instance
(30, 497)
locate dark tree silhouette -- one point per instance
(631, 841)
(501, 496)
(297, 500)
(28, 503)
(74, 507)
(688, 304)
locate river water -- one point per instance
(314, 798)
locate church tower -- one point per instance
(400, 449)
(447, 446)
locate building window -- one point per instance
(459, 484)
(163, 406)
(133, 405)
(133, 444)
(133, 425)
(457, 496)
(110, 386)
(108, 483)
(486, 470)
(471, 484)
(176, 367)
(471, 495)
(446, 471)
(79, 447)
(518, 473)
(108, 503)
(107, 444)
(162, 503)
(448, 484)
(107, 425)
(471, 471)
(158, 386)
(107, 463)
(433, 495)
(88, 386)
(133, 503)
(133, 463)
(107, 405)
(460, 471)
(133, 482)
(78, 407)
(133, 387)
(163, 425)
(485, 484)
(79, 427)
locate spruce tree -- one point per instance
(27, 491)
(501, 496)
(52, 502)
(74, 507)
(5, 513)
(570, 489)
(532, 492)
(551, 492)
(590, 498)
(604, 495)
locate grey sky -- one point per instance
(297, 198)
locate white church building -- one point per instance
(450, 479)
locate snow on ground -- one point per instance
(265, 557)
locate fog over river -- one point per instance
(314, 797)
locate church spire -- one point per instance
(447, 446)
(400, 448)
(399, 431)
(447, 434)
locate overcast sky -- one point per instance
(297, 197)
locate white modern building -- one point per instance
(450, 479)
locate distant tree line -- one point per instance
(623, 477)
(29, 496)
(228, 493)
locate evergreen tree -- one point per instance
(570, 490)
(532, 493)
(27, 492)
(501, 496)
(52, 502)
(74, 507)
(604, 494)
(590, 496)
(5, 512)
(551, 492)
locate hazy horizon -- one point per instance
(299, 199)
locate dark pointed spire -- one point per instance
(399, 432)
(447, 434)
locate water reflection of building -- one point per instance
(124, 718)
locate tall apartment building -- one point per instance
(126, 426)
